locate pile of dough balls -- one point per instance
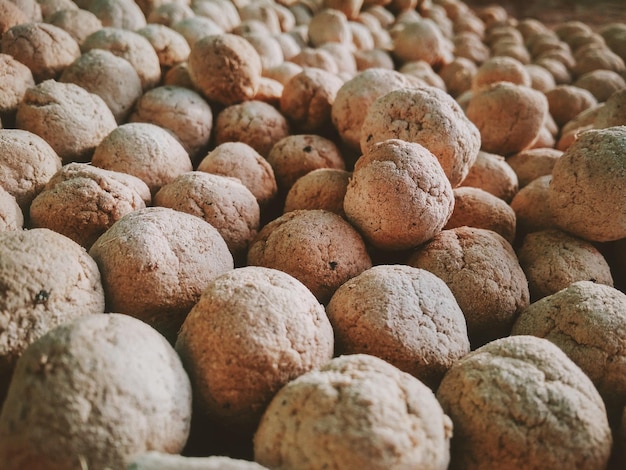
(246, 234)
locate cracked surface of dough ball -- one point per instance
(500, 69)
(163, 461)
(520, 402)
(131, 46)
(584, 320)
(110, 77)
(225, 68)
(78, 23)
(508, 116)
(482, 271)
(355, 96)
(223, 202)
(565, 102)
(553, 259)
(357, 411)
(28, 163)
(532, 163)
(82, 201)
(308, 98)
(398, 196)
(156, 261)
(71, 119)
(123, 14)
(253, 330)
(492, 173)
(45, 49)
(47, 280)
(96, 362)
(317, 247)
(171, 47)
(404, 315)
(144, 150)
(255, 123)
(430, 117)
(239, 160)
(588, 186)
(180, 110)
(323, 188)
(476, 207)
(423, 40)
(11, 215)
(298, 154)
(601, 83)
(15, 79)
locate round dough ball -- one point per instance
(77, 23)
(182, 111)
(492, 173)
(317, 247)
(501, 69)
(195, 28)
(344, 56)
(71, 119)
(82, 201)
(310, 58)
(156, 261)
(482, 271)
(475, 207)
(253, 330)
(398, 196)
(131, 46)
(10, 15)
(553, 259)
(532, 163)
(508, 116)
(255, 123)
(588, 59)
(92, 375)
(268, 48)
(377, 58)
(584, 320)
(170, 13)
(283, 72)
(520, 402)
(298, 154)
(404, 315)
(601, 83)
(469, 46)
(123, 14)
(308, 98)
(11, 215)
(329, 25)
(239, 160)
(421, 39)
(31, 7)
(531, 211)
(323, 188)
(223, 202)
(613, 112)
(540, 78)
(45, 49)
(225, 68)
(457, 75)
(163, 461)
(565, 102)
(28, 163)
(357, 411)
(424, 74)
(558, 69)
(47, 279)
(15, 79)
(110, 77)
(171, 47)
(588, 186)
(144, 150)
(427, 116)
(355, 96)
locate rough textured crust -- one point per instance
(588, 186)
(324, 188)
(91, 375)
(317, 247)
(398, 196)
(492, 173)
(144, 150)
(163, 461)
(82, 201)
(475, 207)
(45, 49)
(482, 271)
(239, 160)
(253, 330)
(520, 402)
(156, 261)
(223, 202)
(71, 119)
(404, 315)
(11, 216)
(430, 117)
(225, 68)
(15, 79)
(357, 411)
(28, 163)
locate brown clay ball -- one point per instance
(388, 311)
(317, 247)
(156, 261)
(323, 188)
(520, 402)
(398, 196)
(482, 271)
(253, 330)
(225, 68)
(492, 173)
